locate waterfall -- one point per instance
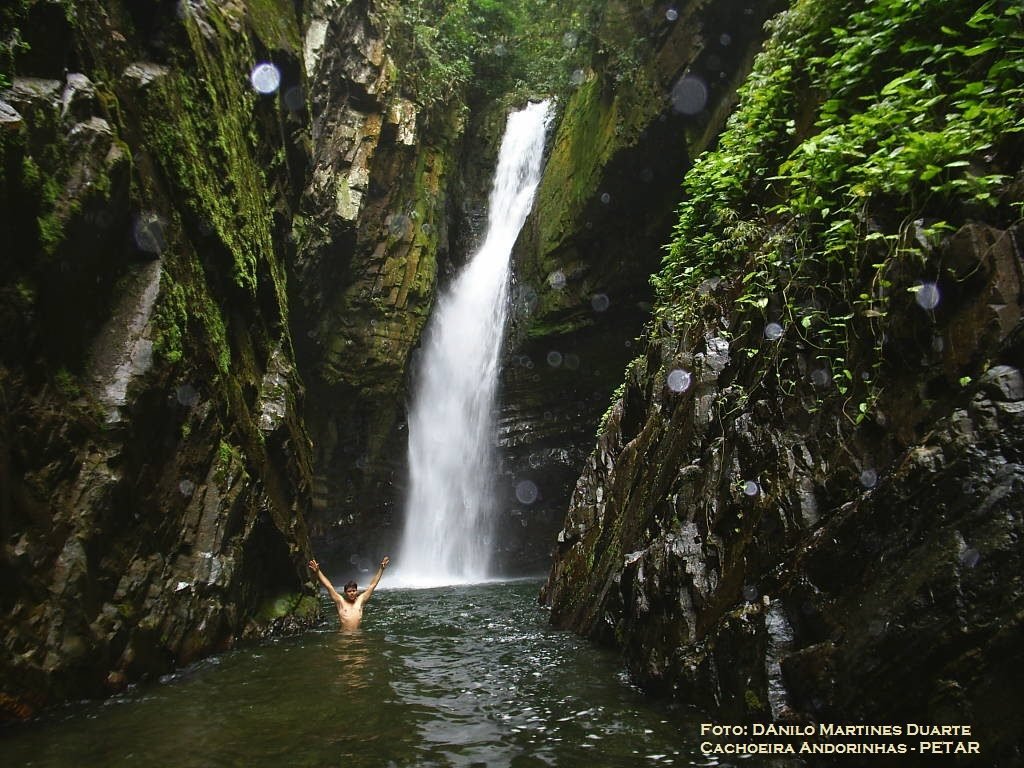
(450, 505)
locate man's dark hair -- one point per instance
(350, 584)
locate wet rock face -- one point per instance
(372, 230)
(154, 470)
(389, 209)
(619, 146)
(554, 391)
(759, 558)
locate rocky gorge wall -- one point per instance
(653, 95)
(155, 470)
(396, 204)
(806, 503)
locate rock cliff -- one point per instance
(372, 235)
(805, 504)
(652, 94)
(154, 463)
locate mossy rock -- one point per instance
(287, 605)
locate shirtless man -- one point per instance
(350, 604)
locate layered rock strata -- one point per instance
(622, 140)
(155, 468)
(805, 504)
(372, 231)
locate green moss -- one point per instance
(217, 333)
(170, 322)
(51, 232)
(48, 190)
(228, 458)
(753, 701)
(542, 330)
(12, 16)
(635, 365)
(275, 23)
(26, 293)
(301, 606)
(200, 123)
(67, 383)
(584, 142)
(31, 176)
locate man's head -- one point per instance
(351, 592)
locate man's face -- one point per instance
(351, 593)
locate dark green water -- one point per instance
(459, 676)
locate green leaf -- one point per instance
(981, 48)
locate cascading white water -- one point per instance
(449, 509)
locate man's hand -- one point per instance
(384, 563)
(314, 566)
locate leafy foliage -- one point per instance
(867, 130)
(11, 42)
(484, 49)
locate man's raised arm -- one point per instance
(376, 580)
(314, 566)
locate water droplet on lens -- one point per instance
(750, 593)
(572, 362)
(557, 280)
(606, 198)
(187, 395)
(671, 14)
(265, 77)
(294, 98)
(186, 487)
(821, 378)
(751, 488)
(869, 478)
(148, 233)
(577, 77)
(970, 557)
(397, 224)
(500, 50)
(599, 302)
(725, 39)
(690, 95)
(678, 380)
(709, 285)
(554, 358)
(773, 331)
(928, 296)
(569, 39)
(526, 492)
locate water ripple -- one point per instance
(453, 678)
